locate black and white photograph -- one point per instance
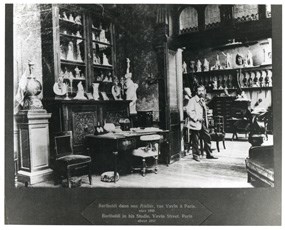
(132, 100)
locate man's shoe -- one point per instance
(196, 158)
(211, 157)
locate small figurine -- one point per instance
(105, 60)
(77, 72)
(82, 76)
(80, 92)
(77, 19)
(192, 66)
(228, 60)
(100, 77)
(64, 16)
(71, 76)
(66, 74)
(62, 53)
(78, 34)
(70, 53)
(217, 65)
(205, 65)
(79, 59)
(249, 61)
(184, 67)
(199, 66)
(96, 59)
(71, 18)
(64, 31)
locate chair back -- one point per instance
(219, 124)
(63, 144)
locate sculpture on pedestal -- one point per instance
(33, 126)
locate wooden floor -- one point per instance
(228, 171)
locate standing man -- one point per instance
(198, 123)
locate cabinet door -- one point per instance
(174, 97)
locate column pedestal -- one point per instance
(34, 146)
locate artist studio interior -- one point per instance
(149, 96)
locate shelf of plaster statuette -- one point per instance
(243, 88)
(256, 88)
(102, 43)
(71, 36)
(75, 79)
(69, 23)
(73, 63)
(102, 66)
(243, 69)
(229, 89)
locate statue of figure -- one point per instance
(206, 65)
(70, 53)
(228, 60)
(105, 60)
(80, 92)
(64, 16)
(71, 18)
(77, 19)
(116, 90)
(78, 34)
(66, 74)
(128, 65)
(79, 59)
(71, 76)
(77, 72)
(249, 61)
(131, 94)
(62, 53)
(192, 66)
(199, 66)
(184, 67)
(217, 65)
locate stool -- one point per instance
(150, 150)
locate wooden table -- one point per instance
(118, 142)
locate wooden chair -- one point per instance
(150, 150)
(217, 132)
(66, 162)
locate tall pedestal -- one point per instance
(34, 150)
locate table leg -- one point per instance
(115, 153)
